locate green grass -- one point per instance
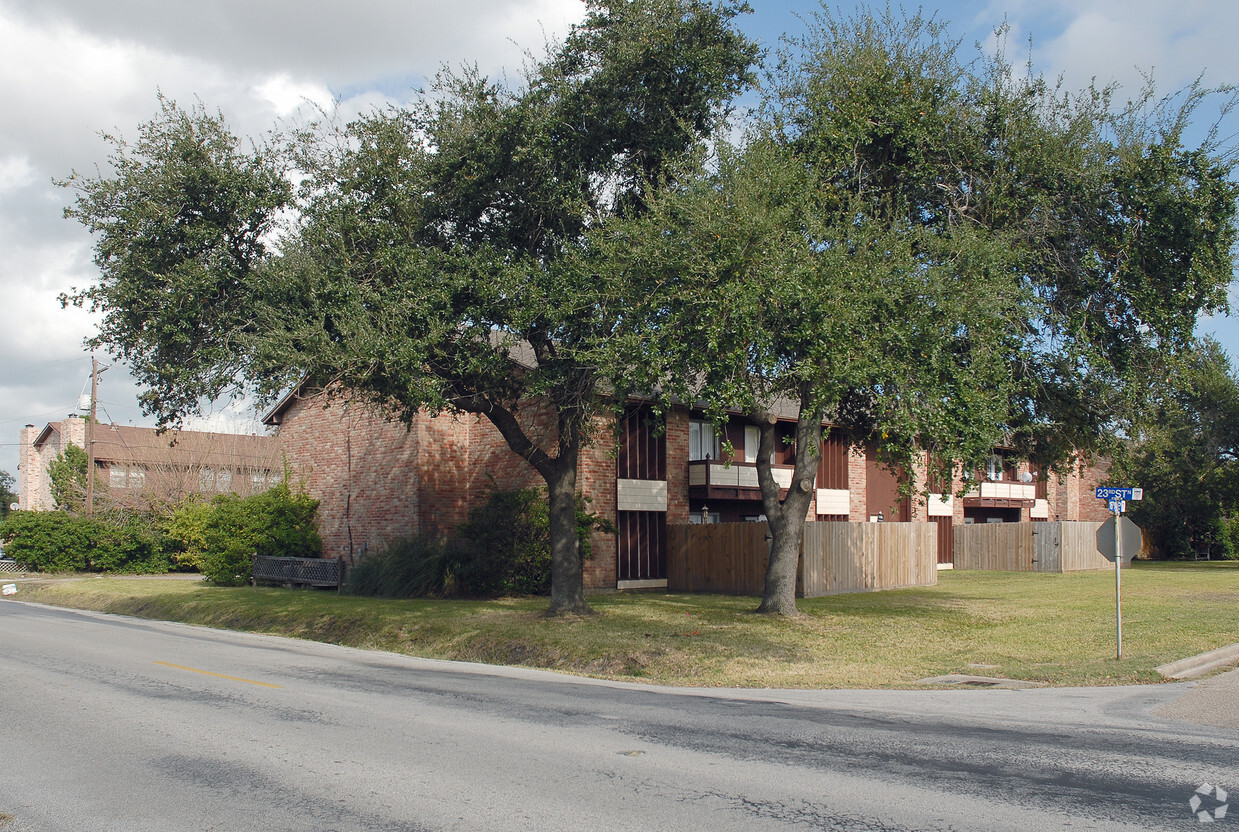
(1056, 629)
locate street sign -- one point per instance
(1111, 492)
(1117, 506)
(1130, 539)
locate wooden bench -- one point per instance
(299, 571)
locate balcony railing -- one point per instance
(713, 478)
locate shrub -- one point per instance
(275, 523)
(505, 547)
(47, 541)
(55, 541)
(131, 547)
(185, 534)
(409, 567)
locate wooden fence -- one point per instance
(834, 557)
(854, 557)
(1029, 547)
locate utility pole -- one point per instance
(90, 437)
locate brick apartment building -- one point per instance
(139, 465)
(377, 479)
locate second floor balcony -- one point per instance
(713, 479)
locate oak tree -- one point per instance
(435, 259)
(928, 252)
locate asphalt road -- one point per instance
(113, 723)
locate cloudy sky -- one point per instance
(70, 69)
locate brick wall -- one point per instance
(361, 467)
(858, 485)
(34, 486)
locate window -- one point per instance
(752, 441)
(121, 477)
(702, 440)
(993, 468)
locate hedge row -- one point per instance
(218, 538)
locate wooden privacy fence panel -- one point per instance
(835, 557)
(854, 557)
(1079, 547)
(729, 558)
(1003, 547)
(1028, 547)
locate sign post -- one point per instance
(1117, 499)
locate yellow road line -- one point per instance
(217, 675)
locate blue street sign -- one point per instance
(1115, 493)
(1117, 506)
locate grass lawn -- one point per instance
(1057, 629)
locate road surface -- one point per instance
(115, 723)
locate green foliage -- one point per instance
(507, 546)
(411, 567)
(67, 473)
(47, 541)
(126, 547)
(434, 241)
(55, 541)
(7, 495)
(183, 217)
(275, 523)
(929, 251)
(503, 549)
(185, 530)
(1186, 457)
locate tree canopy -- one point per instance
(7, 495)
(929, 252)
(67, 476)
(435, 261)
(1185, 456)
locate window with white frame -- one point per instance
(702, 440)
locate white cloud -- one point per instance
(288, 95)
(15, 172)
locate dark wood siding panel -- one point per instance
(946, 539)
(832, 468)
(642, 447)
(882, 490)
(641, 545)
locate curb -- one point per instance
(1195, 666)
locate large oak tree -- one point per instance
(930, 252)
(435, 259)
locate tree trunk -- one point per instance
(779, 595)
(559, 472)
(567, 577)
(787, 518)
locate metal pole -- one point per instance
(1118, 586)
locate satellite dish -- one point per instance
(1026, 476)
(15, 506)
